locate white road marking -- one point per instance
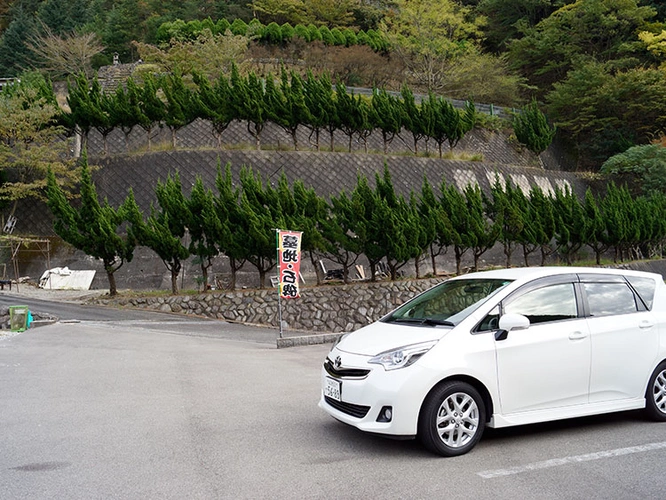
(555, 462)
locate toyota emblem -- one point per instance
(337, 363)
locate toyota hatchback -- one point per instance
(503, 348)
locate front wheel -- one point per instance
(655, 396)
(452, 419)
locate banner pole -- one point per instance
(279, 287)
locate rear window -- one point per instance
(645, 288)
(608, 299)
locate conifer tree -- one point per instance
(342, 245)
(92, 227)
(570, 223)
(435, 219)
(261, 213)
(354, 114)
(153, 110)
(296, 112)
(321, 109)
(213, 103)
(483, 231)
(228, 210)
(181, 108)
(164, 229)
(248, 101)
(397, 225)
(387, 115)
(540, 225)
(412, 117)
(595, 234)
(205, 227)
(454, 204)
(126, 109)
(532, 129)
(503, 208)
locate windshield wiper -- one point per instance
(423, 321)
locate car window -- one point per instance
(550, 303)
(645, 288)
(607, 299)
(447, 304)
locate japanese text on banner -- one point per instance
(289, 255)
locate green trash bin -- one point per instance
(18, 318)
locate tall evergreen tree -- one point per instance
(532, 129)
(214, 104)
(435, 219)
(341, 243)
(153, 109)
(15, 56)
(92, 227)
(454, 204)
(181, 108)
(261, 211)
(412, 117)
(387, 115)
(205, 228)
(570, 223)
(164, 229)
(230, 215)
(595, 234)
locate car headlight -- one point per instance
(402, 356)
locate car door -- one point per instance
(548, 364)
(624, 338)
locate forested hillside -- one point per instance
(596, 67)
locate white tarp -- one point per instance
(63, 278)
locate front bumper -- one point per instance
(363, 397)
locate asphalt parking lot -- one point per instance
(113, 410)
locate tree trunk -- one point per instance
(113, 291)
(175, 271)
(373, 270)
(262, 278)
(433, 262)
(459, 255)
(313, 260)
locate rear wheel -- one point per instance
(655, 396)
(452, 419)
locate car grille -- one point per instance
(344, 372)
(357, 411)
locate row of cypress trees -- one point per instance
(272, 33)
(289, 101)
(239, 222)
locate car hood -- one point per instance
(380, 337)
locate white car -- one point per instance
(503, 348)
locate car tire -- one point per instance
(452, 419)
(655, 396)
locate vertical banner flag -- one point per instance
(289, 262)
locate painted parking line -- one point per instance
(556, 462)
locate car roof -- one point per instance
(529, 273)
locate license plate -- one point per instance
(332, 388)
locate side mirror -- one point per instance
(513, 321)
(510, 322)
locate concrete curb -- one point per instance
(321, 338)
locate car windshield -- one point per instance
(447, 304)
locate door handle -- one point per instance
(645, 324)
(577, 335)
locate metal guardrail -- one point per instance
(489, 109)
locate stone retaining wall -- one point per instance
(330, 308)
